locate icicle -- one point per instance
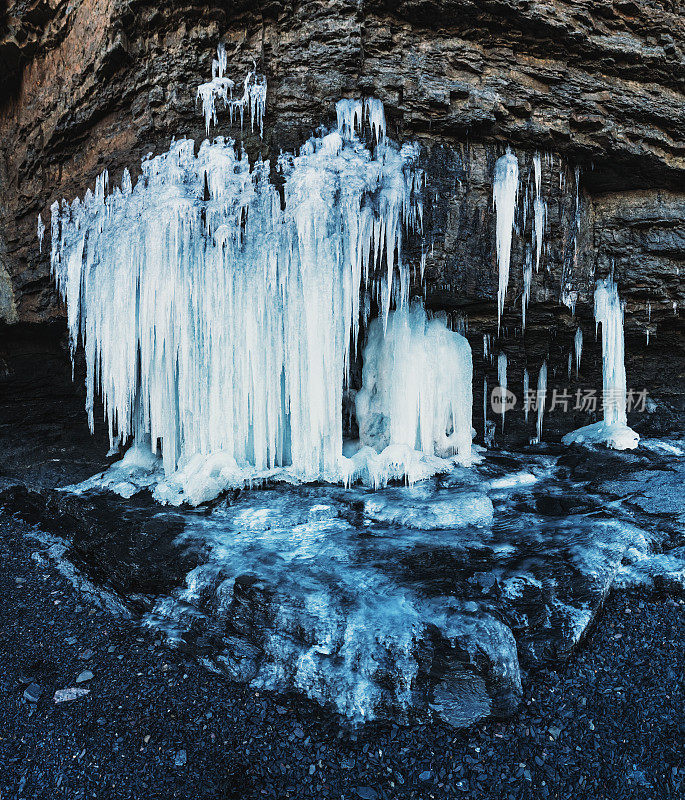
(526, 393)
(504, 194)
(485, 408)
(539, 212)
(486, 345)
(570, 365)
(41, 233)
(527, 279)
(221, 60)
(502, 378)
(609, 312)
(541, 396)
(578, 347)
(613, 429)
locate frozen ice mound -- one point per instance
(617, 436)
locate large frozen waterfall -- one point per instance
(613, 430)
(218, 317)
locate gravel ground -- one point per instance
(156, 724)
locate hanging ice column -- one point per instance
(220, 323)
(539, 211)
(541, 398)
(578, 347)
(414, 408)
(504, 194)
(502, 378)
(613, 430)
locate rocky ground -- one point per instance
(155, 723)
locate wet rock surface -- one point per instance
(607, 723)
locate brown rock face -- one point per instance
(595, 88)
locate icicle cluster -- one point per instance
(217, 322)
(351, 115)
(221, 88)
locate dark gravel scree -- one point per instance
(156, 724)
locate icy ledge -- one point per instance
(204, 477)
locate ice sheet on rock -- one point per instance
(338, 625)
(139, 469)
(352, 586)
(504, 196)
(512, 480)
(617, 436)
(672, 447)
(416, 387)
(657, 492)
(175, 285)
(613, 430)
(434, 511)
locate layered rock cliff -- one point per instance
(596, 88)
